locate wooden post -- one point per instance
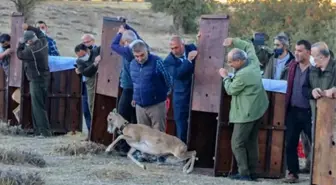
(107, 84)
(324, 148)
(206, 89)
(15, 67)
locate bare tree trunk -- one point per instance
(26, 7)
(178, 23)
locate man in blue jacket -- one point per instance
(180, 64)
(151, 84)
(125, 35)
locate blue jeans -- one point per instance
(85, 106)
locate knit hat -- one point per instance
(28, 35)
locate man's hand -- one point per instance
(25, 26)
(330, 93)
(223, 72)
(192, 55)
(97, 60)
(77, 71)
(227, 42)
(317, 93)
(121, 29)
(198, 35)
(133, 103)
(8, 51)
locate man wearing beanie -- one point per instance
(33, 51)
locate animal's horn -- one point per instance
(114, 110)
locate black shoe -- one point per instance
(241, 177)
(254, 176)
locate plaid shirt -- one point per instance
(53, 51)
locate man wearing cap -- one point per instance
(33, 51)
(279, 62)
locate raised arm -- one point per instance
(248, 48)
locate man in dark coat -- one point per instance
(33, 51)
(180, 64)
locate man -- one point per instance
(151, 83)
(125, 35)
(248, 105)
(298, 113)
(276, 67)
(322, 77)
(33, 51)
(52, 48)
(87, 65)
(89, 41)
(180, 64)
(5, 52)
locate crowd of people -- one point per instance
(147, 80)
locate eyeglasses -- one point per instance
(87, 42)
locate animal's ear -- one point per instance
(114, 110)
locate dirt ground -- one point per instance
(105, 169)
(67, 21)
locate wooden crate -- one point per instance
(324, 148)
(64, 103)
(271, 140)
(107, 83)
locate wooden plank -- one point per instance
(206, 89)
(15, 67)
(110, 66)
(107, 86)
(324, 149)
(3, 101)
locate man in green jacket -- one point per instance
(248, 105)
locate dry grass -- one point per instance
(6, 129)
(80, 148)
(107, 169)
(11, 177)
(15, 156)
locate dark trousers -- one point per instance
(85, 106)
(181, 114)
(297, 120)
(181, 121)
(244, 143)
(39, 92)
(126, 110)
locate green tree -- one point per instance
(184, 12)
(313, 20)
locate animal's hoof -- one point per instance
(189, 171)
(144, 167)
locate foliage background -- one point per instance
(313, 20)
